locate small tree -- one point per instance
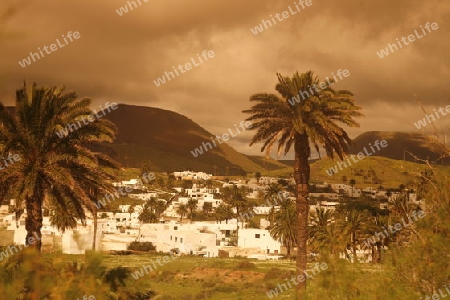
(130, 211)
(182, 211)
(352, 183)
(257, 176)
(192, 207)
(207, 207)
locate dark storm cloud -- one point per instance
(117, 57)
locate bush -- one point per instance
(141, 246)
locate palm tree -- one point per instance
(58, 170)
(314, 120)
(63, 219)
(284, 228)
(147, 215)
(258, 177)
(192, 206)
(324, 235)
(130, 211)
(378, 223)
(354, 224)
(223, 212)
(235, 197)
(182, 211)
(207, 207)
(271, 194)
(352, 183)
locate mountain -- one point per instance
(165, 139)
(399, 144)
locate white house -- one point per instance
(258, 238)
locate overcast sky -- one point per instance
(117, 58)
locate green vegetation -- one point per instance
(141, 246)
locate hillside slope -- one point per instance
(165, 139)
(399, 144)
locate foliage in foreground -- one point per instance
(28, 275)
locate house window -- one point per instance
(257, 236)
(170, 237)
(181, 240)
(175, 228)
(176, 239)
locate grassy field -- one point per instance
(189, 278)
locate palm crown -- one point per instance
(316, 117)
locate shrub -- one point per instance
(141, 246)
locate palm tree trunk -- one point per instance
(95, 229)
(301, 176)
(33, 222)
(237, 225)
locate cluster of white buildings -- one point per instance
(116, 230)
(190, 175)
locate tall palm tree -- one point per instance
(315, 120)
(182, 211)
(61, 170)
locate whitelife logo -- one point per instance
(124, 9)
(86, 297)
(296, 280)
(393, 229)
(284, 15)
(71, 36)
(411, 38)
(91, 118)
(11, 159)
(188, 66)
(423, 122)
(107, 198)
(323, 85)
(4, 254)
(244, 125)
(360, 155)
(438, 296)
